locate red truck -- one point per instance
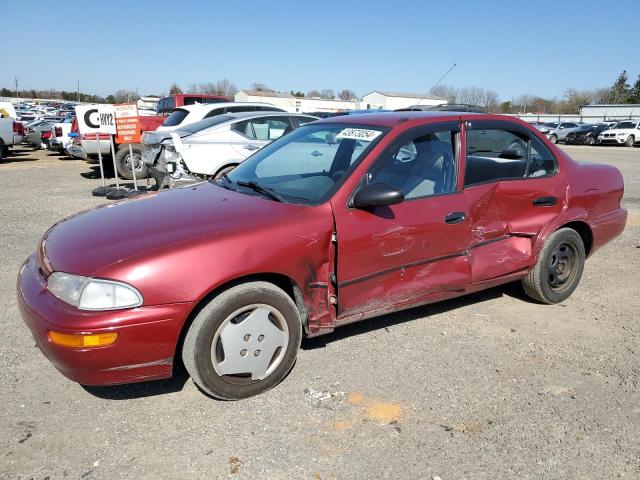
(89, 145)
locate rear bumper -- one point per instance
(144, 350)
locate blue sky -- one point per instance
(513, 47)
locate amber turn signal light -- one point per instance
(81, 340)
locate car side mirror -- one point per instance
(377, 195)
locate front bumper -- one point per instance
(612, 140)
(144, 350)
(76, 151)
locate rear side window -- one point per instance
(175, 118)
(264, 128)
(214, 112)
(497, 154)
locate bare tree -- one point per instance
(261, 87)
(313, 93)
(174, 89)
(471, 96)
(226, 87)
(346, 94)
(122, 96)
(446, 92)
(490, 101)
(327, 93)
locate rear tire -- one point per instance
(123, 163)
(630, 141)
(4, 150)
(559, 268)
(226, 371)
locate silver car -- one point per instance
(559, 134)
(34, 133)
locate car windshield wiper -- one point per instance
(228, 185)
(267, 192)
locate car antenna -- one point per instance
(437, 83)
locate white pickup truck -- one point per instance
(11, 131)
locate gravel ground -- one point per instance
(486, 386)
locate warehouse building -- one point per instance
(611, 111)
(292, 104)
(393, 101)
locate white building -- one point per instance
(293, 104)
(611, 111)
(393, 101)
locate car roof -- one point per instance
(212, 106)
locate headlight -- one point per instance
(92, 294)
(170, 154)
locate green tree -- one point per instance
(175, 89)
(635, 92)
(621, 91)
(5, 92)
(506, 107)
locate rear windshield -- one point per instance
(175, 118)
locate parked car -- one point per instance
(60, 135)
(445, 107)
(586, 134)
(183, 116)
(213, 146)
(90, 141)
(547, 127)
(11, 130)
(34, 131)
(231, 274)
(559, 134)
(624, 133)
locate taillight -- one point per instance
(58, 131)
(18, 128)
(45, 135)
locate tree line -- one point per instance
(620, 92)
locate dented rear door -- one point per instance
(513, 189)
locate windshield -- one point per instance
(308, 165)
(175, 118)
(625, 125)
(551, 124)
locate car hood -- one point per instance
(89, 241)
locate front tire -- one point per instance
(553, 138)
(123, 162)
(559, 268)
(243, 342)
(630, 141)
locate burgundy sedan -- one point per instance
(341, 220)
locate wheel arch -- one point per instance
(584, 230)
(287, 284)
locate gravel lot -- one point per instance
(486, 386)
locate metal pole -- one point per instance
(133, 168)
(115, 168)
(104, 185)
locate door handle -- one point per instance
(315, 153)
(455, 217)
(544, 201)
(248, 146)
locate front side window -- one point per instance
(308, 165)
(500, 154)
(419, 167)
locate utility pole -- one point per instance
(16, 80)
(78, 96)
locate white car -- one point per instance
(624, 133)
(11, 131)
(189, 114)
(213, 146)
(60, 135)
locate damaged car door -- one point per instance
(402, 253)
(513, 189)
